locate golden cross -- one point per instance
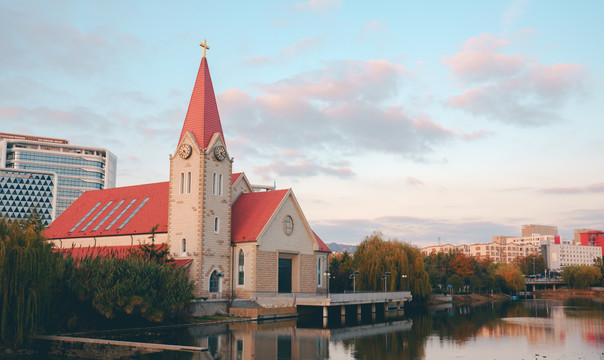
(204, 46)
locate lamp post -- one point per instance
(534, 275)
(386, 274)
(404, 276)
(353, 276)
(327, 275)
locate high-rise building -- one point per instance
(21, 191)
(530, 230)
(77, 169)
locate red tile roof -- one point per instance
(119, 252)
(234, 177)
(251, 212)
(106, 213)
(322, 246)
(202, 117)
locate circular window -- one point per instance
(288, 225)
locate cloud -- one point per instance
(594, 188)
(421, 232)
(287, 52)
(301, 168)
(346, 107)
(30, 41)
(375, 26)
(317, 5)
(411, 181)
(512, 88)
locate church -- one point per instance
(237, 241)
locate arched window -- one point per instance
(216, 225)
(189, 182)
(214, 281)
(184, 245)
(182, 183)
(220, 184)
(318, 271)
(241, 268)
(214, 184)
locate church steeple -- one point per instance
(202, 117)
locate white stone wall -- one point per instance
(274, 238)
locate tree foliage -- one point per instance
(27, 273)
(581, 276)
(531, 265)
(506, 277)
(375, 256)
(136, 286)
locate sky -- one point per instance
(430, 121)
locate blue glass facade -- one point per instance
(77, 169)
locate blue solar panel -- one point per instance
(133, 213)
(85, 216)
(96, 216)
(120, 215)
(108, 215)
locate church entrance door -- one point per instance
(285, 275)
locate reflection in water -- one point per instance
(509, 330)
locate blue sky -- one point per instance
(459, 120)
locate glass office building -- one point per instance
(77, 168)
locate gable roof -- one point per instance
(118, 211)
(235, 176)
(251, 212)
(202, 117)
(322, 246)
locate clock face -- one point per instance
(185, 151)
(219, 153)
(288, 225)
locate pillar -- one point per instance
(373, 311)
(359, 313)
(325, 316)
(398, 306)
(343, 314)
(554, 285)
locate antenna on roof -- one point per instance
(274, 184)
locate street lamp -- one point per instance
(327, 275)
(404, 276)
(386, 274)
(353, 276)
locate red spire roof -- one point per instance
(202, 117)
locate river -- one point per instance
(529, 329)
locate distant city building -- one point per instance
(76, 168)
(529, 230)
(21, 191)
(558, 256)
(593, 238)
(494, 251)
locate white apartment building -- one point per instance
(558, 256)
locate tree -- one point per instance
(581, 276)
(476, 283)
(462, 265)
(27, 273)
(506, 277)
(455, 281)
(531, 265)
(375, 256)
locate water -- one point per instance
(532, 329)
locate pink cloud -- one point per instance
(373, 80)
(485, 42)
(8, 112)
(411, 181)
(302, 168)
(512, 88)
(317, 5)
(287, 52)
(594, 188)
(475, 66)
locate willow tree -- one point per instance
(27, 268)
(375, 257)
